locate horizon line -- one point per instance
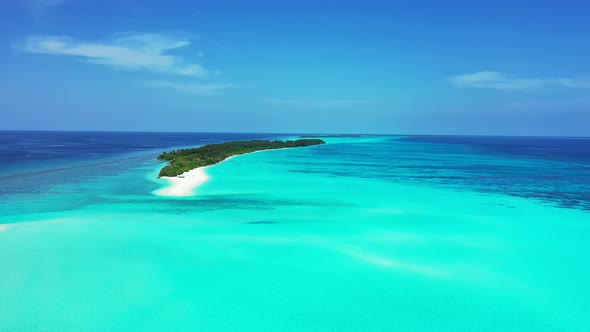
(281, 133)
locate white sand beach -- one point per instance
(184, 184)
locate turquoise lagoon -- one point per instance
(361, 234)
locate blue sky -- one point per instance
(407, 67)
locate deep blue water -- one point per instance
(44, 166)
(27, 151)
(570, 149)
(553, 170)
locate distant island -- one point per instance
(330, 136)
(184, 160)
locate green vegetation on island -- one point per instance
(186, 159)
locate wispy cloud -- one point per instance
(500, 81)
(40, 7)
(128, 52)
(303, 103)
(198, 89)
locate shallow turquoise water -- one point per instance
(328, 238)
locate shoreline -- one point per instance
(184, 185)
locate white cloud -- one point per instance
(130, 52)
(316, 104)
(198, 89)
(500, 81)
(40, 7)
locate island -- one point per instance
(185, 160)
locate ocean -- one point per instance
(369, 233)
